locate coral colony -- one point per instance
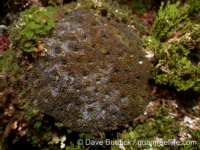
(91, 76)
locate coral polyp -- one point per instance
(94, 75)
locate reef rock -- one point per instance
(94, 75)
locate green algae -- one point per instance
(173, 37)
(160, 127)
(138, 6)
(33, 24)
(168, 20)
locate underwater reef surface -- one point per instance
(94, 75)
(88, 72)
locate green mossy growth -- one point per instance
(23, 92)
(73, 147)
(138, 6)
(173, 37)
(3, 58)
(69, 131)
(85, 135)
(32, 113)
(34, 23)
(59, 124)
(38, 124)
(196, 136)
(39, 131)
(163, 127)
(47, 136)
(168, 20)
(194, 8)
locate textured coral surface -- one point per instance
(94, 76)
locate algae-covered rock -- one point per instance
(94, 75)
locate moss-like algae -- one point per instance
(152, 133)
(34, 22)
(174, 39)
(138, 6)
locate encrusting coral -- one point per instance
(94, 75)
